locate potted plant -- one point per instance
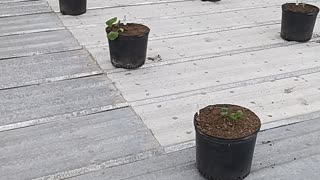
(127, 43)
(298, 20)
(73, 7)
(225, 140)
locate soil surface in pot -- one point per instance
(301, 8)
(131, 29)
(210, 121)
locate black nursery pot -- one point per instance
(73, 7)
(298, 26)
(224, 159)
(129, 52)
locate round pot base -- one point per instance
(126, 66)
(215, 178)
(73, 7)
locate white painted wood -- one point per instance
(97, 4)
(173, 79)
(171, 121)
(204, 45)
(173, 27)
(165, 11)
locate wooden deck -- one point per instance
(68, 113)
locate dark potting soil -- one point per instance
(209, 121)
(132, 29)
(301, 8)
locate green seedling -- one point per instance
(224, 111)
(234, 116)
(114, 25)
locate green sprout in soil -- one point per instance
(234, 116)
(114, 25)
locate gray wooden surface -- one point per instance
(15, 8)
(70, 143)
(58, 111)
(32, 102)
(63, 117)
(54, 67)
(37, 43)
(29, 23)
(290, 152)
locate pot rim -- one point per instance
(284, 9)
(141, 35)
(224, 139)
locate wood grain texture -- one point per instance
(171, 121)
(32, 102)
(38, 69)
(281, 158)
(16, 8)
(37, 43)
(67, 144)
(29, 24)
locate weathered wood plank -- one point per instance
(168, 11)
(10, 1)
(282, 149)
(98, 4)
(23, 8)
(32, 102)
(67, 144)
(46, 68)
(37, 43)
(171, 119)
(188, 48)
(29, 24)
(165, 28)
(189, 76)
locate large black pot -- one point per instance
(298, 26)
(129, 52)
(73, 7)
(224, 159)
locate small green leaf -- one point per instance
(239, 113)
(224, 111)
(110, 22)
(113, 35)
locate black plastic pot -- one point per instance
(224, 159)
(297, 26)
(129, 52)
(73, 7)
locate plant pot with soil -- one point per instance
(127, 43)
(73, 7)
(298, 21)
(225, 140)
